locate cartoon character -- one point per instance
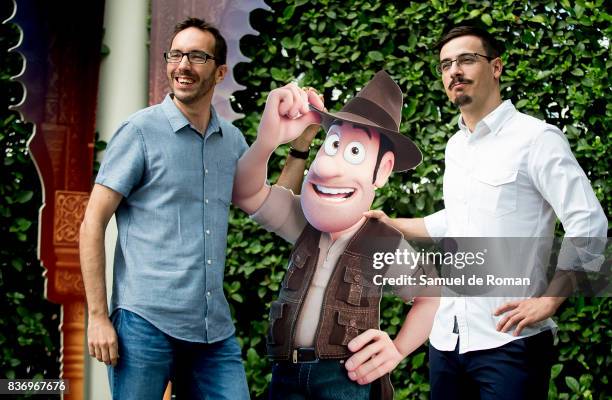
(325, 322)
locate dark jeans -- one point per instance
(148, 358)
(519, 370)
(325, 379)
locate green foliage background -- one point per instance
(557, 67)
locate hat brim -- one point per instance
(407, 154)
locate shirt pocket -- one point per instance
(225, 180)
(495, 191)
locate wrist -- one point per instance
(297, 153)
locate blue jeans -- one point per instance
(148, 359)
(517, 370)
(322, 380)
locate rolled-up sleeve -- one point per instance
(557, 175)
(282, 214)
(436, 224)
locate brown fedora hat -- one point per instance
(379, 106)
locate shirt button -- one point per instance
(206, 201)
(209, 262)
(205, 172)
(207, 294)
(207, 232)
(357, 278)
(353, 323)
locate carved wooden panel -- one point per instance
(61, 47)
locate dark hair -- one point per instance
(384, 146)
(220, 51)
(492, 47)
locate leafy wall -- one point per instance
(556, 67)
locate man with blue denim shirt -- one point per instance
(167, 175)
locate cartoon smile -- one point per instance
(335, 194)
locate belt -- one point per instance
(304, 355)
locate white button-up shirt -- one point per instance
(508, 178)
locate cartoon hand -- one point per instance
(375, 355)
(286, 115)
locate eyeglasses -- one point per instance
(462, 59)
(194, 57)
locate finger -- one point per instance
(363, 339)
(357, 360)
(296, 106)
(316, 99)
(378, 214)
(504, 320)
(114, 353)
(513, 321)
(285, 101)
(377, 372)
(98, 353)
(521, 325)
(304, 104)
(372, 364)
(105, 353)
(92, 350)
(507, 307)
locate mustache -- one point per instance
(459, 79)
(185, 72)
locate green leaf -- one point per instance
(418, 360)
(486, 18)
(375, 55)
(522, 103)
(572, 383)
(556, 370)
(24, 196)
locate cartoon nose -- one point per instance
(325, 166)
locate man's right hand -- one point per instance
(286, 115)
(102, 340)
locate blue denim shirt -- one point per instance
(172, 221)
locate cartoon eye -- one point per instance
(354, 153)
(332, 142)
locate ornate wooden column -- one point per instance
(61, 47)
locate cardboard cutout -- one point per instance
(328, 306)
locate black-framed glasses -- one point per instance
(462, 59)
(194, 57)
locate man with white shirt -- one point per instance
(507, 175)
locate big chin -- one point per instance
(329, 218)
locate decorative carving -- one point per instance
(69, 282)
(69, 211)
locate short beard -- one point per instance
(462, 100)
(206, 86)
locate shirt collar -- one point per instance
(493, 121)
(178, 121)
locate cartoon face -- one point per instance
(338, 187)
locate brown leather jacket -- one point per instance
(351, 304)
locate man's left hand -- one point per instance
(523, 313)
(375, 355)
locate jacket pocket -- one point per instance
(347, 327)
(354, 288)
(277, 323)
(295, 271)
